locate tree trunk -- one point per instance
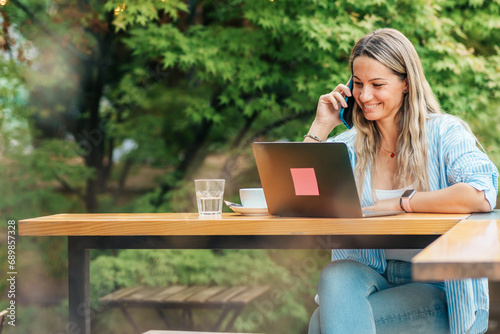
(94, 132)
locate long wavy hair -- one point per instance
(391, 48)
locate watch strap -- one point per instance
(405, 204)
(404, 200)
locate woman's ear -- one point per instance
(405, 87)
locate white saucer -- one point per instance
(250, 211)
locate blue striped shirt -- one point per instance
(453, 157)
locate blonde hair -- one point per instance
(394, 50)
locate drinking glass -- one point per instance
(209, 194)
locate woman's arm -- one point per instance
(456, 161)
(327, 113)
(458, 198)
(322, 131)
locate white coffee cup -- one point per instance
(253, 198)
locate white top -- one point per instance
(396, 254)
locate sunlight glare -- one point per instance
(118, 9)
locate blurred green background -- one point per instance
(116, 106)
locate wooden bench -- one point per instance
(186, 298)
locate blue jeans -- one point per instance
(354, 298)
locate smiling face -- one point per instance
(377, 89)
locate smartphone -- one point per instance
(346, 113)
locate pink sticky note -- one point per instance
(305, 182)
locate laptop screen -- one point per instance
(307, 179)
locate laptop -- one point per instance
(309, 180)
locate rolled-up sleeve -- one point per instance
(467, 163)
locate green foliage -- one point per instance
(285, 54)
(139, 12)
(33, 320)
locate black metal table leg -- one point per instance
(78, 286)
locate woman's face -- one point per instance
(377, 90)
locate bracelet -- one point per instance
(318, 139)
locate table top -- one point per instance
(468, 246)
(190, 224)
(470, 249)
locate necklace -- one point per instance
(391, 153)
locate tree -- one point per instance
(181, 80)
(178, 81)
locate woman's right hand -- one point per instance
(328, 113)
(329, 105)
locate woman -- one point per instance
(400, 141)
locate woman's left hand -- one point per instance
(391, 204)
(458, 198)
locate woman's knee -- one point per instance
(349, 274)
(314, 327)
(341, 271)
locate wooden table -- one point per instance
(470, 249)
(231, 231)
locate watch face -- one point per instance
(408, 193)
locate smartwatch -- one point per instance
(404, 201)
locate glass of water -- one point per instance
(209, 194)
